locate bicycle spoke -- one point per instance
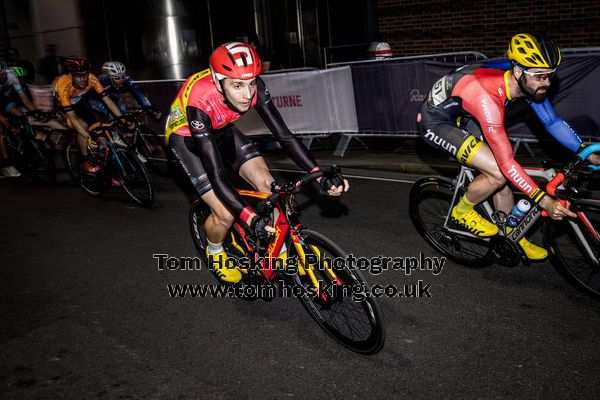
(430, 203)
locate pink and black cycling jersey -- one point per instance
(200, 112)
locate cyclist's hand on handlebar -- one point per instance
(555, 209)
(126, 123)
(156, 114)
(594, 159)
(260, 228)
(38, 115)
(333, 182)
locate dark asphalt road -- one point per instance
(86, 313)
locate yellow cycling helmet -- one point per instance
(532, 51)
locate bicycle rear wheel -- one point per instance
(199, 212)
(569, 252)
(429, 204)
(343, 308)
(91, 183)
(134, 177)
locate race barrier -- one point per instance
(382, 98)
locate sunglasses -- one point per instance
(539, 76)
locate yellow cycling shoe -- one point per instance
(218, 264)
(532, 251)
(474, 223)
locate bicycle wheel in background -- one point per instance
(568, 252)
(429, 203)
(90, 182)
(134, 177)
(346, 313)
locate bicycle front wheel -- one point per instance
(153, 148)
(429, 204)
(134, 177)
(340, 301)
(574, 251)
(90, 182)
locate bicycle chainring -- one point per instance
(504, 251)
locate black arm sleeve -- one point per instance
(200, 127)
(273, 120)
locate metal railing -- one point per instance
(457, 56)
(580, 50)
(327, 51)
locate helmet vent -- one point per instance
(531, 60)
(231, 59)
(244, 60)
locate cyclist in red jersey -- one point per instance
(202, 137)
(480, 93)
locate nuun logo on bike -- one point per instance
(519, 180)
(440, 142)
(486, 111)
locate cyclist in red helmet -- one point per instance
(202, 137)
(70, 89)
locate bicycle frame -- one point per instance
(26, 136)
(110, 147)
(548, 175)
(283, 229)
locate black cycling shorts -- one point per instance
(234, 147)
(442, 129)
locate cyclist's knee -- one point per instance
(223, 218)
(495, 178)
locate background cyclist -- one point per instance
(13, 96)
(70, 90)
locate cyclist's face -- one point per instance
(117, 81)
(80, 80)
(240, 92)
(535, 85)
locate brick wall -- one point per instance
(430, 26)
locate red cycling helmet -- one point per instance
(235, 60)
(77, 65)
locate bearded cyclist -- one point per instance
(480, 93)
(201, 135)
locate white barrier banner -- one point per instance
(320, 101)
